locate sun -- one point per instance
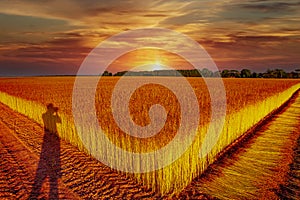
(148, 59)
(157, 66)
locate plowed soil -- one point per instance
(29, 170)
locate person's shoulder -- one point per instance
(57, 117)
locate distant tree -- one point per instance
(217, 74)
(297, 71)
(190, 73)
(225, 73)
(280, 73)
(234, 73)
(294, 75)
(245, 73)
(277, 73)
(195, 73)
(269, 74)
(230, 73)
(206, 73)
(107, 73)
(254, 75)
(120, 73)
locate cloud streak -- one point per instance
(252, 33)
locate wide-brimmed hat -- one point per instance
(50, 106)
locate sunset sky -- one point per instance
(53, 37)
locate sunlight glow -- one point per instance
(157, 66)
(148, 60)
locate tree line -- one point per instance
(244, 73)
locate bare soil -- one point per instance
(28, 167)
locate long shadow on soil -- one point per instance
(49, 163)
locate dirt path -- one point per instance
(23, 172)
(80, 176)
(264, 167)
(17, 171)
(291, 190)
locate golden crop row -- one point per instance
(248, 101)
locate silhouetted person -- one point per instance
(49, 163)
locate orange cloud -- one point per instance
(237, 34)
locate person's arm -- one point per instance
(58, 119)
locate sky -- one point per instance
(54, 37)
